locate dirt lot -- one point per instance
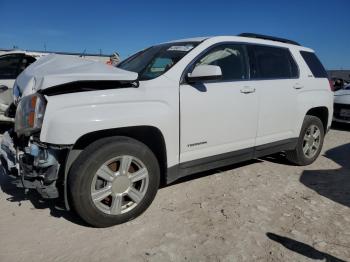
(263, 210)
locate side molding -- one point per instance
(212, 162)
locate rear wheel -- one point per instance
(113, 181)
(310, 142)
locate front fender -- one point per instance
(70, 116)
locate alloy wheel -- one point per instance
(119, 185)
(311, 142)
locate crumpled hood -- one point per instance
(54, 70)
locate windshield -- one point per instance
(156, 60)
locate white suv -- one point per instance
(106, 137)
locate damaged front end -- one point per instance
(34, 164)
(43, 166)
(39, 169)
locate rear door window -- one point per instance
(268, 62)
(314, 64)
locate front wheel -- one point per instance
(310, 142)
(113, 181)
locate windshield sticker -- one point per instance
(182, 48)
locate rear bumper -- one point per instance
(36, 168)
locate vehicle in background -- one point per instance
(114, 59)
(343, 75)
(11, 65)
(342, 105)
(339, 83)
(98, 57)
(13, 62)
(104, 137)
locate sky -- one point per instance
(129, 26)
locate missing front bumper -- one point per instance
(43, 179)
(36, 168)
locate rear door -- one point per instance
(220, 116)
(274, 75)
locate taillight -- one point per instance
(331, 85)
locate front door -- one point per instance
(218, 117)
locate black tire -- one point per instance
(90, 160)
(297, 155)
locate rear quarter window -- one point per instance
(314, 64)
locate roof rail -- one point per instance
(267, 37)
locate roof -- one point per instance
(267, 37)
(250, 38)
(52, 52)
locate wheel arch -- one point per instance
(322, 113)
(151, 136)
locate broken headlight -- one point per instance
(30, 114)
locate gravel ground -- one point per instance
(262, 210)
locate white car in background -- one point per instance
(342, 105)
(11, 65)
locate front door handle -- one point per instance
(3, 88)
(298, 86)
(247, 90)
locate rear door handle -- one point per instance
(247, 90)
(298, 86)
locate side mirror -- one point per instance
(3, 88)
(204, 72)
